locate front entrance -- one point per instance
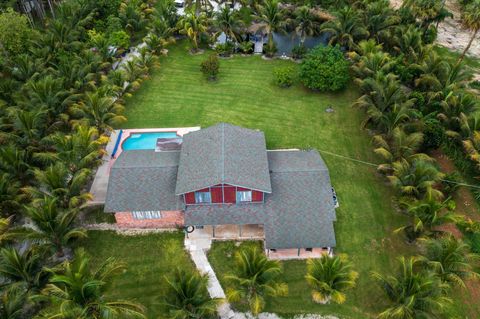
(230, 231)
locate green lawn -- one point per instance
(177, 95)
(148, 259)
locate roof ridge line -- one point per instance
(300, 170)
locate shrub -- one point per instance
(325, 69)
(246, 47)
(210, 67)
(15, 32)
(119, 39)
(224, 49)
(284, 76)
(299, 51)
(270, 49)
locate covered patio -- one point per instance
(233, 232)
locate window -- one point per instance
(203, 197)
(147, 215)
(244, 196)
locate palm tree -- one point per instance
(471, 19)
(59, 182)
(99, 111)
(272, 17)
(426, 215)
(79, 288)
(450, 259)
(412, 293)
(385, 101)
(228, 21)
(12, 302)
(427, 11)
(187, 296)
(398, 146)
(192, 25)
(381, 20)
(255, 278)
(25, 268)
(330, 277)
(15, 161)
(371, 63)
(80, 149)
(454, 109)
(10, 195)
(346, 29)
(53, 227)
(6, 235)
(306, 23)
(417, 179)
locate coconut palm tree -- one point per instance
(271, 16)
(471, 20)
(228, 21)
(346, 29)
(426, 215)
(306, 23)
(398, 146)
(426, 11)
(417, 179)
(99, 111)
(59, 182)
(187, 296)
(255, 278)
(193, 25)
(15, 161)
(380, 20)
(12, 302)
(330, 277)
(412, 293)
(450, 259)
(454, 109)
(385, 101)
(370, 64)
(54, 227)
(25, 268)
(78, 150)
(79, 288)
(10, 195)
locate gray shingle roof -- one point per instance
(223, 153)
(299, 213)
(143, 180)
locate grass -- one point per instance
(177, 95)
(148, 259)
(96, 215)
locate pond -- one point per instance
(286, 42)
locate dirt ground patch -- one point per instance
(466, 206)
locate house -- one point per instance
(224, 175)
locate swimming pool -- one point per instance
(145, 141)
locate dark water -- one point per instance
(286, 42)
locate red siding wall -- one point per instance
(230, 194)
(190, 198)
(257, 196)
(224, 194)
(217, 194)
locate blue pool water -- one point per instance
(145, 141)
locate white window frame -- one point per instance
(149, 214)
(200, 200)
(244, 196)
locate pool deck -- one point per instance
(100, 183)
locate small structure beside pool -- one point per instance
(222, 179)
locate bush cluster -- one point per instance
(325, 69)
